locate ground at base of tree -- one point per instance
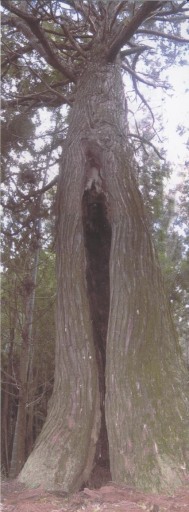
(109, 498)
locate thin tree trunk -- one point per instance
(26, 384)
(5, 417)
(99, 200)
(32, 387)
(19, 443)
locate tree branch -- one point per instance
(130, 27)
(16, 55)
(41, 190)
(135, 49)
(50, 88)
(140, 79)
(73, 41)
(38, 99)
(33, 24)
(175, 9)
(134, 80)
(117, 10)
(146, 141)
(158, 33)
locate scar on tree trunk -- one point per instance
(97, 239)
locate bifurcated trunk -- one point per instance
(112, 315)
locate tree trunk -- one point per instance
(6, 416)
(146, 405)
(101, 226)
(19, 442)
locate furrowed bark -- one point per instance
(146, 404)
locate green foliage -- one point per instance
(14, 131)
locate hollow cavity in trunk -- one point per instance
(97, 237)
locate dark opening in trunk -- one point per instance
(97, 237)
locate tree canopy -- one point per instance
(46, 45)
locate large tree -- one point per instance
(119, 396)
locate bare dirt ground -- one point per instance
(109, 498)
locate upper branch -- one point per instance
(143, 80)
(34, 25)
(158, 33)
(42, 190)
(42, 98)
(146, 141)
(129, 27)
(12, 56)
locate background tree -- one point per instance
(177, 252)
(168, 216)
(116, 343)
(23, 238)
